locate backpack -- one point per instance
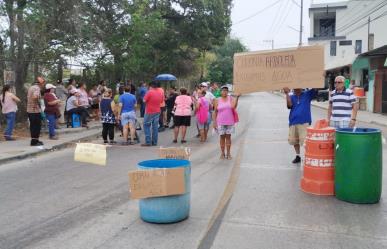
(202, 114)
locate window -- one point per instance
(327, 27)
(358, 46)
(333, 48)
(345, 43)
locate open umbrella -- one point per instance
(165, 77)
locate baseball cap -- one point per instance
(50, 86)
(205, 84)
(72, 91)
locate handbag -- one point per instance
(234, 113)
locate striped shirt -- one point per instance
(342, 104)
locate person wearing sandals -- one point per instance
(182, 117)
(127, 115)
(108, 120)
(224, 120)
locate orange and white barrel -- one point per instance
(318, 176)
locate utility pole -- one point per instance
(368, 36)
(272, 43)
(301, 19)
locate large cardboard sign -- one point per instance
(273, 70)
(156, 183)
(90, 153)
(175, 153)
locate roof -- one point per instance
(330, 5)
(376, 52)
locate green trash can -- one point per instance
(358, 165)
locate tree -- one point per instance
(221, 70)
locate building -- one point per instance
(348, 29)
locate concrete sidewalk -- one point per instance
(20, 148)
(362, 116)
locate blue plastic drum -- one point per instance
(167, 209)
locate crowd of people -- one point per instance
(159, 109)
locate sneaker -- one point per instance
(113, 142)
(297, 159)
(10, 139)
(105, 141)
(54, 138)
(146, 145)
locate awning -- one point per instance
(375, 52)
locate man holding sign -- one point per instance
(300, 117)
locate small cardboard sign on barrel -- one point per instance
(319, 169)
(163, 187)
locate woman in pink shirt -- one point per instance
(9, 107)
(224, 120)
(182, 116)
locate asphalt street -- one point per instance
(252, 201)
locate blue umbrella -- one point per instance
(165, 77)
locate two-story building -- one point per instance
(348, 29)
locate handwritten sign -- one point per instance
(155, 183)
(90, 153)
(273, 70)
(175, 153)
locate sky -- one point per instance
(255, 23)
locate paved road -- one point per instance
(252, 201)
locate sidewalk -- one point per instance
(20, 148)
(362, 116)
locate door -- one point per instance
(380, 92)
(384, 93)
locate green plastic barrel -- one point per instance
(358, 165)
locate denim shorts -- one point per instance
(128, 117)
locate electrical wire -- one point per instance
(365, 24)
(257, 13)
(289, 9)
(277, 14)
(354, 21)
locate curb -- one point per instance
(53, 148)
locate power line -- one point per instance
(283, 20)
(277, 14)
(257, 13)
(354, 21)
(365, 24)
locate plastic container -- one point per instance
(75, 120)
(358, 162)
(359, 92)
(167, 209)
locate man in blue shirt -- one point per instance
(127, 114)
(300, 117)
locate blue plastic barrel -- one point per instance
(167, 209)
(76, 120)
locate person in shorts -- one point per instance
(300, 117)
(224, 120)
(182, 118)
(127, 115)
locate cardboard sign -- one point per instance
(175, 153)
(273, 70)
(156, 183)
(90, 153)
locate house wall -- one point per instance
(351, 26)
